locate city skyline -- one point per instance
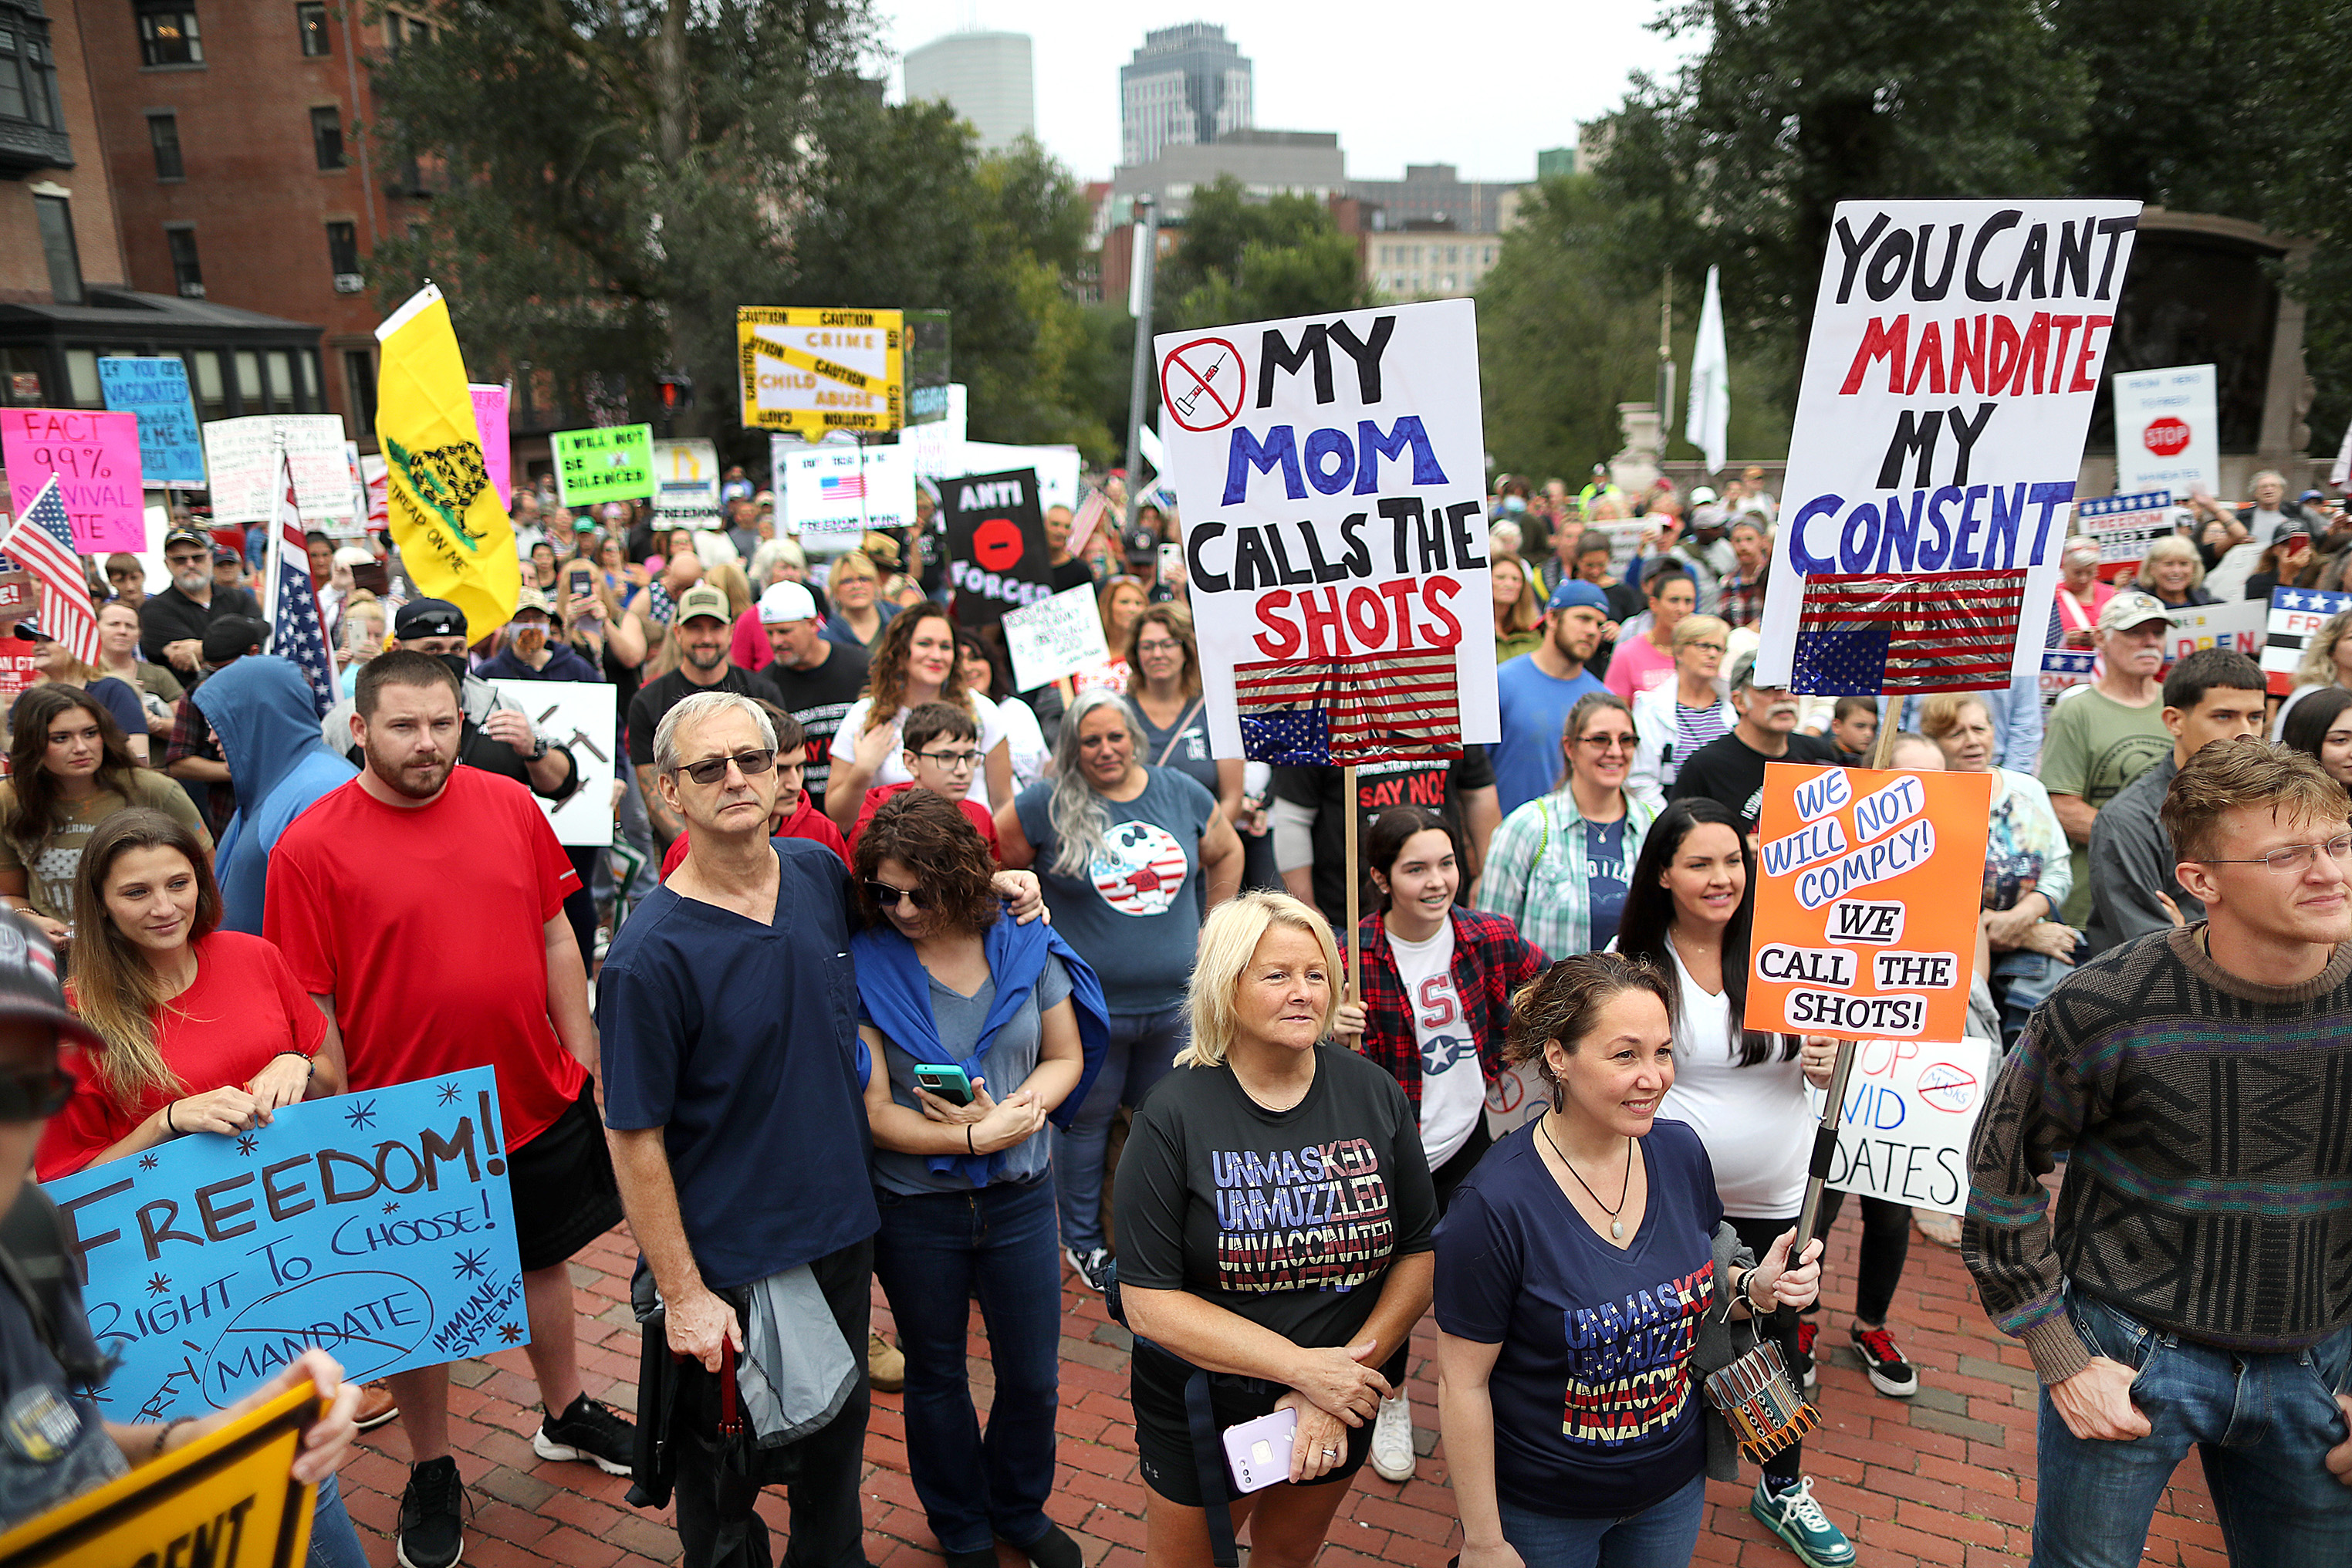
(1355, 83)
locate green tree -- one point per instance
(1241, 261)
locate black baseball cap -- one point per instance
(29, 986)
(230, 636)
(428, 618)
(184, 534)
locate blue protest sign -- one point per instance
(376, 1225)
(171, 447)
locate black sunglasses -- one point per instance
(33, 1093)
(887, 896)
(711, 770)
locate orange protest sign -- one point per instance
(1866, 903)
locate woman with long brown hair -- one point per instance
(914, 663)
(69, 770)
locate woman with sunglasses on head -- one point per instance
(1119, 845)
(1581, 1270)
(913, 664)
(1560, 865)
(975, 1030)
(1689, 910)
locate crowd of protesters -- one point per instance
(887, 954)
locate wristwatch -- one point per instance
(538, 747)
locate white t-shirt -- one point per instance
(894, 766)
(1755, 1121)
(1028, 751)
(1453, 1091)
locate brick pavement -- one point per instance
(1945, 1478)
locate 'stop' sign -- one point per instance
(812, 371)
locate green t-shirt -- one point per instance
(56, 859)
(2092, 747)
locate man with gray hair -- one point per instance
(729, 1022)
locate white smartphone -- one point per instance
(1258, 1452)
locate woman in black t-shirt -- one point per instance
(1275, 1224)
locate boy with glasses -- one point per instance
(2187, 1288)
(942, 750)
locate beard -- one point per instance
(706, 658)
(416, 779)
(191, 582)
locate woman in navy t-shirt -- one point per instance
(1572, 1273)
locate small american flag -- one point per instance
(42, 543)
(841, 487)
(296, 632)
(1368, 708)
(2295, 614)
(1863, 634)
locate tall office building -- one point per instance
(985, 78)
(1186, 85)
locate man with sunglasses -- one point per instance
(172, 624)
(421, 905)
(2189, 1288)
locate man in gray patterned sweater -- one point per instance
(2193, 1283)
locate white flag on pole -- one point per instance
(1707, 425)
(2343, 469)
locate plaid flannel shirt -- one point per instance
(1742, 599)
(1491, 961)
(1535, 874)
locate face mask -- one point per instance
(456, 663)
(1515, 503)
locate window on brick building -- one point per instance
(343, 249)
(168, 34)
(56, 216)
(187, 273)
(28, 72)
(327, 136)
(359, 387)
(310, 23)
(164, 135)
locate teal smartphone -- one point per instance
(950, 1083)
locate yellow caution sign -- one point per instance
(812, 370)
(228, 1500)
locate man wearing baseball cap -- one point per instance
(172, 623)
(2102, 736)
(1537, 688)
(817, 679)
(1729, 769)
(702, 626)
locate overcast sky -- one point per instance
(1480, 86)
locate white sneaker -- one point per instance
(1392, 1456)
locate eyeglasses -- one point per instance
(954, 762)
(33, 1093)
(185, 559)
(887, 896)
(711, 770)
(1608, 743)
(1704, 646)
(2294, 858)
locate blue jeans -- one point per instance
(2261, 1423)
(1663, 1535)
(933, 1255)
(333, 1543)
(1142, 1049)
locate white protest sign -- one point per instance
(2294, 615)
(841, 490)
(1517, 1096)
(1910, 1110)
(1335, 532)
(2168, 431)
(1955, 357)
(936, 449)
(686, 483)
(1057, 467)
(580, 714)
(241, 457)
(2239, 625)
(1057, 636)
(2125, 525)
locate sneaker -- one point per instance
(588, 1430)
(1882, 1359)
(1092, 1266)
(376, 1406)
(432, 1534)
(1392, 1456)
(885, 1363)
(1792, 1515)
(1807, 1330)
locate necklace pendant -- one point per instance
(1617, 1230)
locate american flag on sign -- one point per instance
(42, 543)
(1864, 635)
(296, 632)
(1368, 708)
(2295, 614)
(841, 487)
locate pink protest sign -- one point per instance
(96, 459)
(490, 416)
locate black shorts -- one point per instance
(1163, 1437)
(563, 1186)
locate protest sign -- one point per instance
(837, 491)
(376, 1225)
(2125, 526)
(1057, 467)
(1955, 357)
(1057, 636)
(1866, 909)
(155, 391)
(686, 483)
(937, 447)
(2168, 432)
(2066, 667)
(497, 451)
(812, 371)
(580, 714)
(226, 1499)
(611, 462)
(242, 457)
(1517, 1096)
(2294, 615)
(95, 458)
(1335, 532)
(996, 544)
(2240, 626)
(1910, 1109)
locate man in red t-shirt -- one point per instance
(421, 905)
(943, 749)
